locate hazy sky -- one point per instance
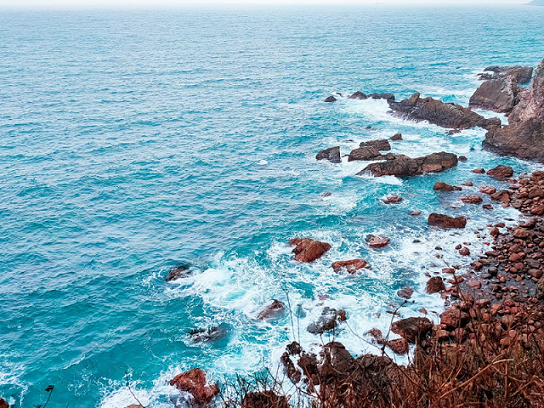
(182, 3)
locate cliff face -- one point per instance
(523, 137)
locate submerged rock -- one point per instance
(435, 285)
(447, 115)
(358, 95)
(351, 266)
(179, 272)
(328, 320)
(210, 335)
(272, 311)
(472, 199)
(443, 221)
(330, 99)
(392, 200)
(441, 186)
(332, 154)
(400, 165)
(308, 250)
(195, 383)
(405, 293)
(397, 136)
(377, 242)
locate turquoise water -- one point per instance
(133, 141)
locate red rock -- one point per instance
(272, 311)
(264, 399)
(536, 192)
(444, 221)
(537, 210)
(488, 190)
(308, 250)
(477, 266)
(397, 136)
(474, 284)
(487, 207)
(398, 346)
(450, 271)
(130, 406)
(440, 186)
(468, 183)
(459, 334)
(377, 334)
(194, 382)
(454, 318)
(464, 251)
(479, 171)
(536, 273)
(392, 200)
(514, 258)
(501, 171)
(351, 266)
(378, 242)
(494, 232)
(415, 213)
(471, 199)
(413, 328)
(435, 285)
(405, 293)
(4, 404)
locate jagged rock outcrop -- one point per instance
(272, 311)
(179, 272)
(381, 144)
(523, 137)
(444, 221)
(308, 250)
(365, 153)
(329, 319)
(447, 115)
(332, 154)
(195, 383)
(401, 165)
(522, 75)
(330, 99)
(499, 95)
(359, 96)
(386, 96)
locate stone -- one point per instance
(392, 200)
(386, 96)
(377, 242)
(472, 199)
(441, 186)
(210, 335)
(351, 266)
(488, 190)
(381, 144)
(399, 346)
(435, 285)
(328, 320)
(454, 318)
(444, 221)
(264, 399)
(330, 99)
(404, 166)
(501, 171)
(499, 95)
(195, 383)
(4, 404)
(479, 171)
(405, 293)
(522, 75)
(358, 95)
(365, 153)
(397, 136)
(179, 272)
(332, 155)
(540, 289)
(272, 311)
(464, 251)
(308, 250)
(412, 329)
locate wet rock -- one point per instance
(440, 186)
(468, 184)
(386, 96)
(272, 311)
(400, 165)
(195, 383)
(396, 137)
(365, 153)
(351, 266)
(130, 406)
(479, 171)
(308, 250)
(443, 221)
(332, 155)
(330, 99)
(264, 399)
(487, 207)
(522, 75)
(499, 95)
(399, 346)
(179, 272)
(210, 335)
(447, 115)
(488, 190)
(392, 200)
(377, 242)
(435, 285)
(472, 199)
(381, 144)
(454, 318)
(412, 329)
(4, 404)
(328, 320)
(540, 289)
(521, 233)
(358, 95)
(405, 293)
(501, 171)
(463, 158)
(415, 213)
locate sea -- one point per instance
(134, 141)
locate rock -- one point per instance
(328, 320)
(392, 200)
(488, 190)
(521, 233)
(397, 136)
(330, 99)
(447, 115)
(415, 213)
(479, 171)
(351, 266)
(474, 284)
(377, 242)
(454, 318)
(210, 335)
(405, 293)
(522, 75)
(443, 221)
(399, 346)
(523, 137)
(412, 329)
(487, 207)
(308, 250)
(440, 186)
(387, 96)
(536, 273)
(499, 95)
(501, 171)
(536, 192)
(195, 383)
(435, 285)
(381, 144)
(463, 158)
(272, 311)
(4, 404)
(400, 165)
(358, 95)
(264, 399)
(366, 153)
(179, 272)
(464, 251)
(130, 406)
(472, 199)
(468, 184)
(540, 289)
(332, 155)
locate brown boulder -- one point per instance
(4, 404)
(488, 190)
(412, 329)
(351, 266)
(443, 221)
(501, 171)
(332, 155)
(179, 272)
(540, 289)
(392, 200)
(397, 136)
(272, 311)
(195, 383)
(330, 99)
(499, 95)
(405, 293)
(308, 250)
(440, 186)
(366, 153)
(454, 318)
(358, 95)
(264, 399)
(381, 144)
(399, 346)
(472, 199)
(377, 242)
(435, 285)
(329, 319)
(401, 165)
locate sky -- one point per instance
(191, 3)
